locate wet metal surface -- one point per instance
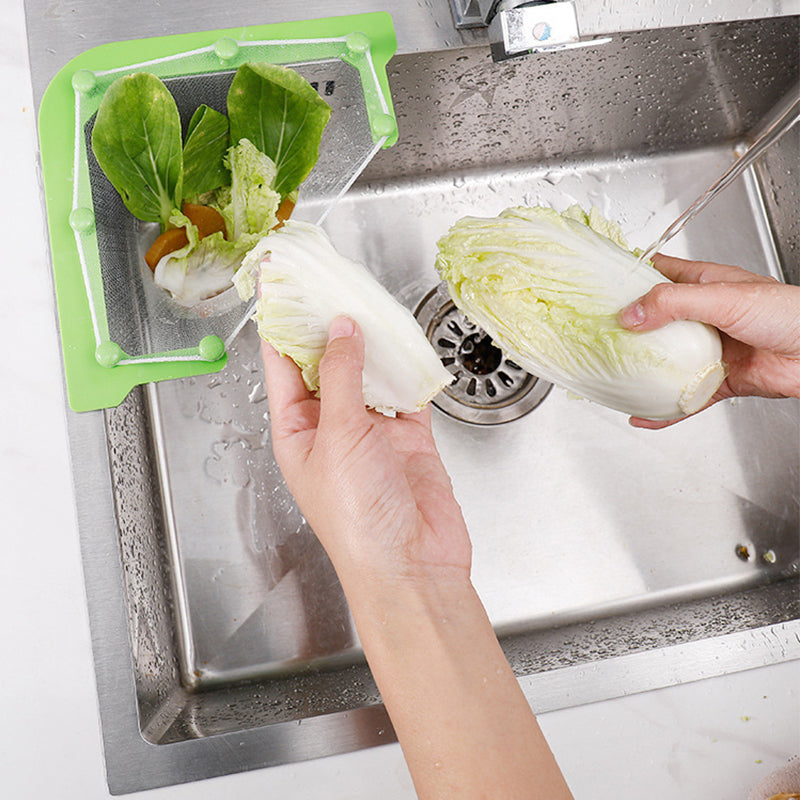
(570, 508)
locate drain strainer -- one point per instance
(489, 388)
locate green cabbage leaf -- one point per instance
(206, 267)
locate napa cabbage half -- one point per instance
(303, 283)
(548, 288)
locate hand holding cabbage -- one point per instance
(548, 288)
(304, 284)
(759, 319)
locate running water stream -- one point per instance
(770, 134)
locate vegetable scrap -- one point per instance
(219, 190)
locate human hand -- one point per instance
(378, 497)
(758, 319)
(373, 488)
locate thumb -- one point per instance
(761, 314)
(340, 375)
(716, 304)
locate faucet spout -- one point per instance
(519, 27)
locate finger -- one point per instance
(293, 410)
(413, 434)
(681, 270)
(283, 380)
(716, 304)
(762, 315)
(340, 376)
(422, 417)
(653, 424)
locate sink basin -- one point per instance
(611, 560)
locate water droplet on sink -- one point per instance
(554, 177)
(258, 393)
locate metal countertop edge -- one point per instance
(645, 671)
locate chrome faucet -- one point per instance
(519, 27)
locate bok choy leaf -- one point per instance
(137, 142)
(278, 111)
(204, 152)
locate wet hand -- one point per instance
(758, 319)
(372, 487)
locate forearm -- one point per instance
(462, 720)
(379, 498)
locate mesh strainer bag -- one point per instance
(118, 328)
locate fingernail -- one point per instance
(632, 316)
(341, 328)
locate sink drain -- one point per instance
(488, 388)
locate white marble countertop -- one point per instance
(714, 738)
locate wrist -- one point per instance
(421, 587)
(408, 559)
(398, 619)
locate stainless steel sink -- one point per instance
(611, 560)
